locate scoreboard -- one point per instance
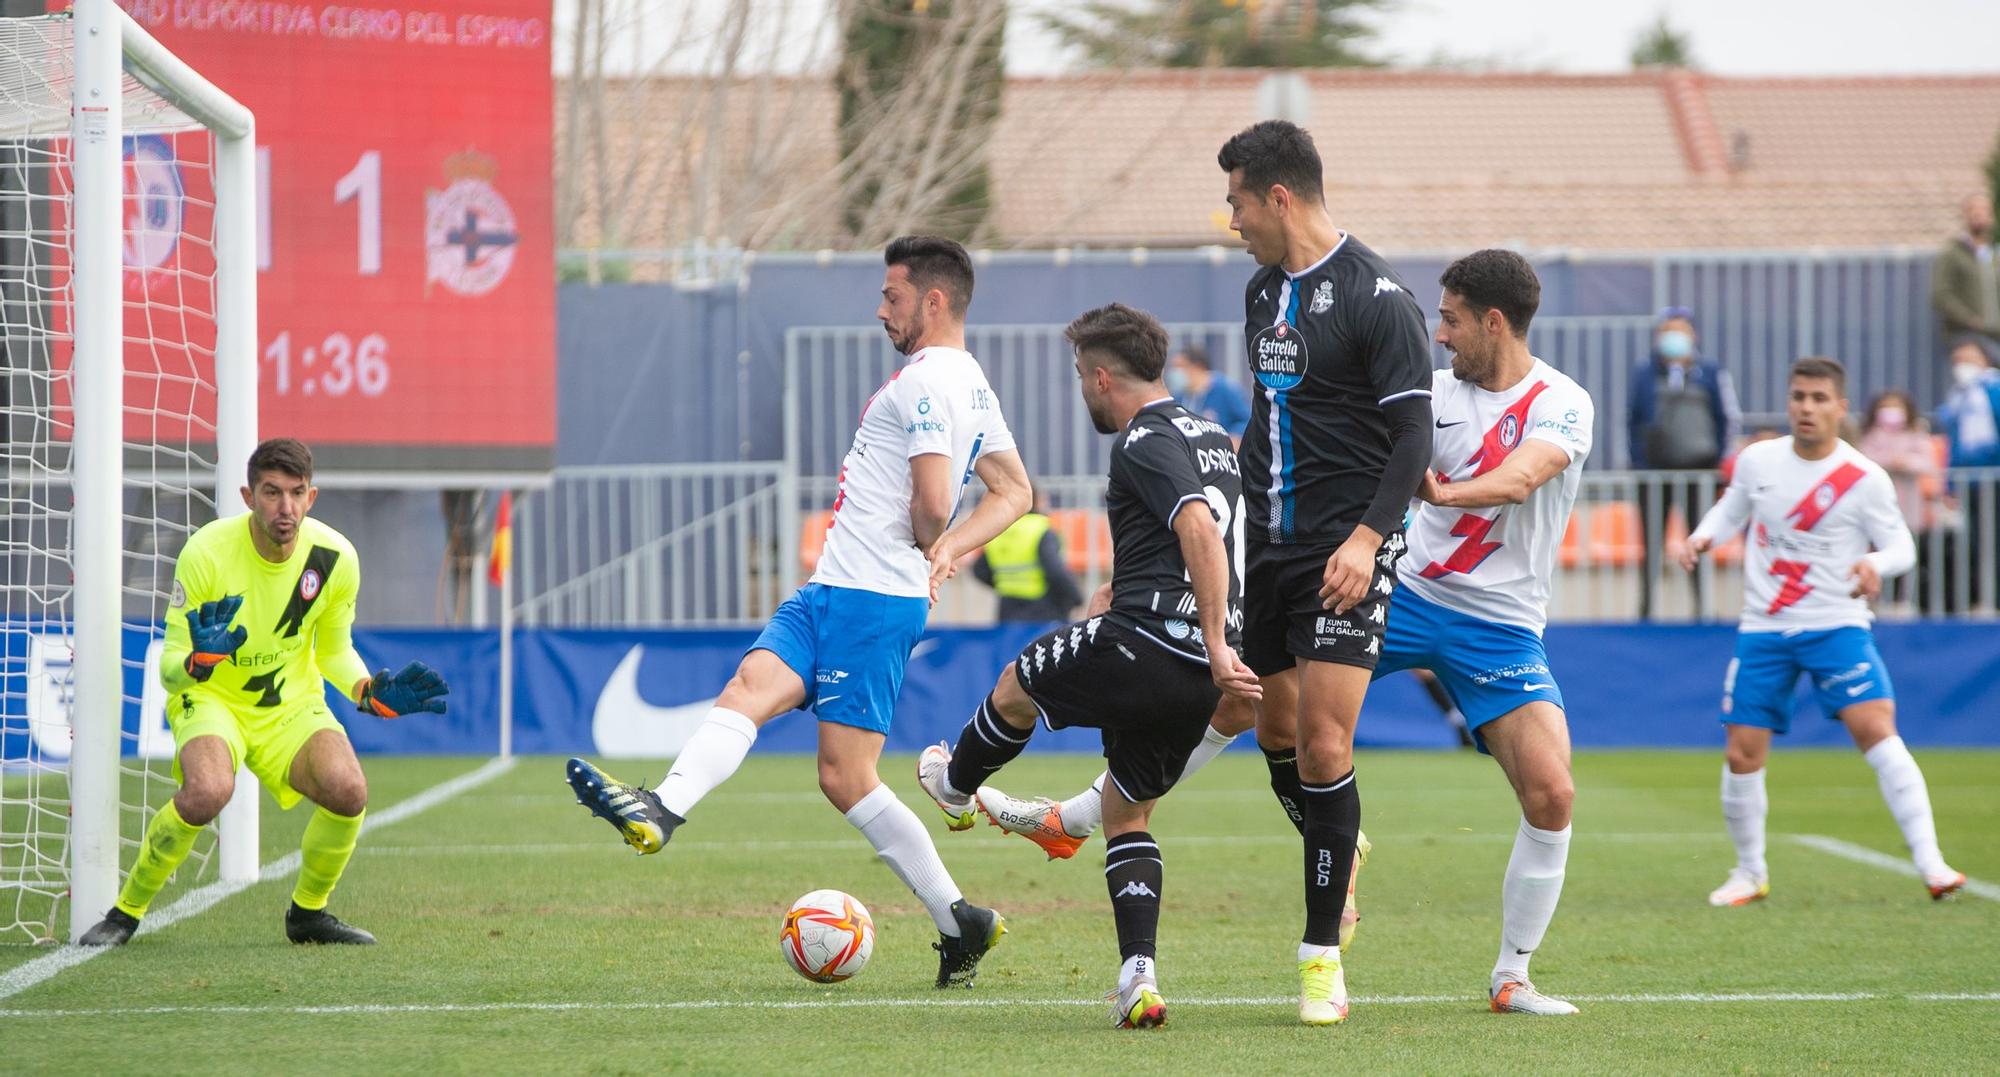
(406, 261)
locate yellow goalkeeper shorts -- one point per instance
(266, 741)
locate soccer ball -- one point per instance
(827, 936)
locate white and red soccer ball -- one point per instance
(827, 936)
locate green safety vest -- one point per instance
(1014, 558)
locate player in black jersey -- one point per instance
(1339, 440)
(1149, 671)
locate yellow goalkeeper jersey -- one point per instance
(299, 613)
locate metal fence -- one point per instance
(688, 544)
(1757, 311)
(708, 545)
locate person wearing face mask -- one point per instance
(1970, 422)
(1965, 286)
(1680, 416)
(1191, 378)
(1897, 438)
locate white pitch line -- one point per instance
(1863, 855)
(195, 902)
(371, 1009)
(782, 844)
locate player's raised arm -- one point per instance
(1007, 497)
(1728, 516)
(1526, 469)
(1207, 561)
(200, 635)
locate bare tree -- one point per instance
(680, 130)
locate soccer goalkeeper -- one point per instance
(263, 607)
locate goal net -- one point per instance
(126, 294)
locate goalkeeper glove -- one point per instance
(415, 687)
(212, 639)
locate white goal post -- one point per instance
(120, 80)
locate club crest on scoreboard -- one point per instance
(469, 233)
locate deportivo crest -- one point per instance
(309, 582)
(469, 231)
(1278, 357)
(1322, 300)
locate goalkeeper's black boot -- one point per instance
(979, 930)
(635, 810)
(319, 925)
(114, 930)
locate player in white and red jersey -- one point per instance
(1510, 435)
(839, 645)
(1815, 508)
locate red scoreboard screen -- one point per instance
(406, 284)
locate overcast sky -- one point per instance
(1732, 37)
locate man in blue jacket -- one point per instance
(1969, 418)
(1680, 416)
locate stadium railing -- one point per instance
(711, 545)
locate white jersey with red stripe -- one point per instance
(938, 403)
(1498, 564)
(1810, 522)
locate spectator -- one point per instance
(1965, 289)
(1681, 416)
(1191, 378)
(1024, 565)
(1970, 422)
(1896, 437)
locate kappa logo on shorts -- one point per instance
(1076, 639)
(1056, 645)
(1041, 658)
(1090, 628)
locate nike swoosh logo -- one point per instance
(828, 699)
(1860, 688)
(1441, 424)
(1532, 687)
(624, 725)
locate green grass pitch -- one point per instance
(519, 935)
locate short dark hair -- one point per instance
(1132, 338)
(935, 262)
(1820, 366)
(1275, 152)
(287, 455)
(1198, 355)
(1493, 279)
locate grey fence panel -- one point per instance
(1758, 311)
(687, 544)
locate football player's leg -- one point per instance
(325, 771)
(995, 734)
(1277, 738)
(1531, 744)
(1329, 703)
(1081, 815)
(1873, 726)
(1133, 875)
(207, 765)
(1744, 808)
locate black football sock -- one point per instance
(986, 744)
(1132, 873)
(1284, 764)
(1332, 820)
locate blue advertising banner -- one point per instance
(615, 693)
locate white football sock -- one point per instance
(1083, 813)
(712, 754)
(1528, 897)
(1212, 745)
(1310, 950)
(902, 842)
(1909, 800)
(1135, 966)
(1744, 806)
